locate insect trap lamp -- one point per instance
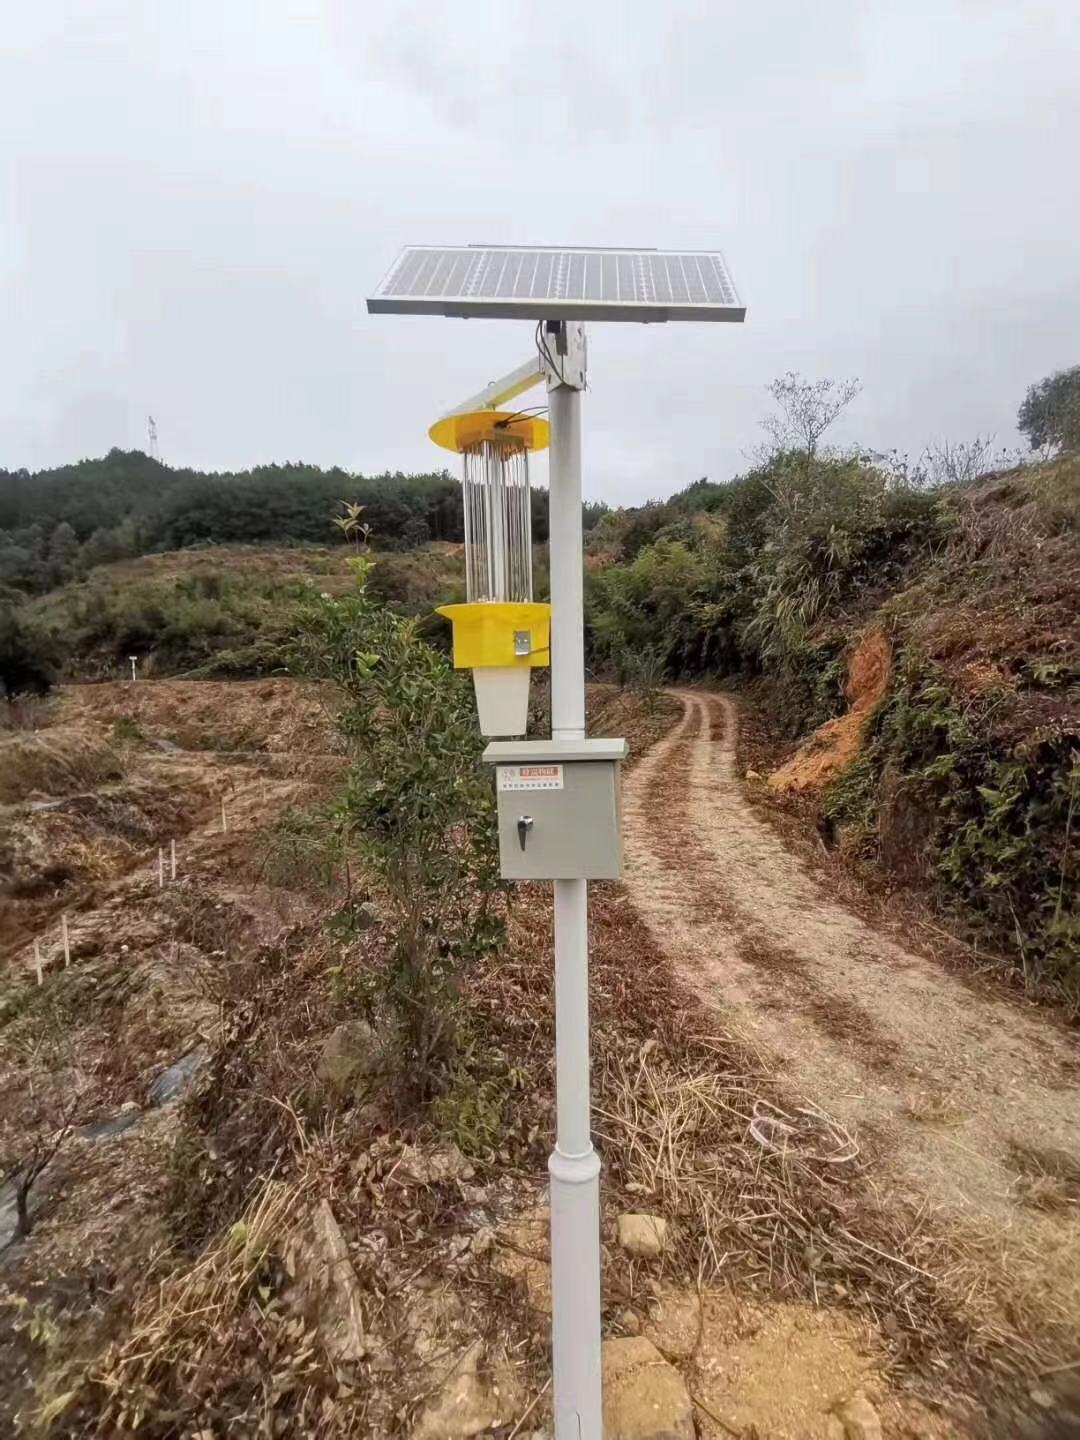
(501, 634)
(558, 798)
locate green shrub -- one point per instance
(852, 798)
(28, 654)
(759, 575)
(1002, 843)
(415, 804)
(227, 625)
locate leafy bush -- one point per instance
(415, 803)
(28, 655)
(207, 625)
(852, 798)
(1000, 817)
(762, 576)
(1001, 842)
(647, 606)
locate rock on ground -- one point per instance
(523, 1255)
(328, 1287)
(642, 1235)
(645, 1398)
(469, 1402)
(676, 1325)
(434, 1166)
(859, 1419)
(350, 1055)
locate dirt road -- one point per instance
(959, 1098)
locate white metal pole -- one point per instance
(574, 1166)
(564, 528)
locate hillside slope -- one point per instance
(959, 771)
(220, 610)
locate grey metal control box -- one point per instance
(560, 808)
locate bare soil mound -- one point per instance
(835, 744)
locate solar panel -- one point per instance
(526, 282)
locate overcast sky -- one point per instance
(196, 197)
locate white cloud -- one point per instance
(196, 199)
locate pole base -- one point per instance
(575, 1294)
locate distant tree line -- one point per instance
(58, 524)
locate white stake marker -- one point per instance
(133, 659)
(160, 868)
(224, 821)
(37, 963)
(172, 859)
(66, 939)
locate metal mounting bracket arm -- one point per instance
(562, 343)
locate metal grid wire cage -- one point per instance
(498, 519)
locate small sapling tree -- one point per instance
(416, 805)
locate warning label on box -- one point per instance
(530, 777)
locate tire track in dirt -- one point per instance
(951, 1081)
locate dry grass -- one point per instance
(781, 1201)
(767, 1194)
(932, 1107)
(59, 761)
(180, 1331)
(1049, 1180)
(23, 713)
(274, 715)
(640, 719)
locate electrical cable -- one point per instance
(545, 352)
(516, 416)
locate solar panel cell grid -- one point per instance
(537, 282)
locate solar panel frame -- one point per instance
(544, 282)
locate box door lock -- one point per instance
(525, 824)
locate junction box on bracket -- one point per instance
(560, 808)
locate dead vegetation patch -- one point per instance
(57, 854)
(1048, 1180)
(639, 718)
(54, 762)
(278, 716)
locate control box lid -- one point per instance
(529, 752)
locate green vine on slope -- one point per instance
(1001, 816)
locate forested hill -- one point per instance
(60, 522)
